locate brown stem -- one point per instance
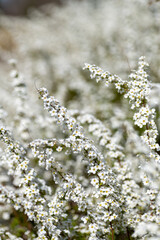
(119, 162)
(112, 231)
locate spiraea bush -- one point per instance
(79, 179)
(86, 166)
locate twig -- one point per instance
(112, 231)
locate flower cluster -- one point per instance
(109, 196)
(137, 89)
(88, 166)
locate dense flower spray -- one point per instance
(113, 192)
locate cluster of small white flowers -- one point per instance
(138, 92)
(100, 181)
(113, 197)
(104, 180)
(137, 89)
(29, 198)
(98, 129)
(43, 150)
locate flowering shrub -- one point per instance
(88, 166)
(80, 179)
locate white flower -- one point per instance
(95, 182)
(59, 149)
(93, 228)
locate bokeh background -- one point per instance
(51, 40)
(20, 7)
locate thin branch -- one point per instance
(112, 231)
